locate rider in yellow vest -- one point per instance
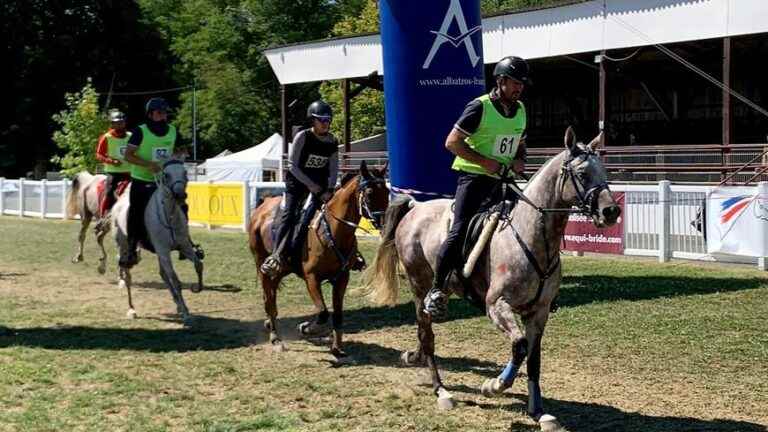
(488, 137)
(111, 152)
(149, 144)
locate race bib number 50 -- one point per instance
(505, 145)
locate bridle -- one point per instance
(586, 197)
(364, 200)
(364, 209)
(160, 182)
(364, 204)
(586, 204)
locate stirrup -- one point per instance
(271, 267)
(436, 303)
(198, 251)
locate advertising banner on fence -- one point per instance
(581, 235)
(216, 204)
(737, 221)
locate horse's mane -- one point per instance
(348, 176)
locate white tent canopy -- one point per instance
(249, 164)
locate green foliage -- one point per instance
(80, 125)
(219, 45)
(367, 108)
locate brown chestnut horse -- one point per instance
(327, 251)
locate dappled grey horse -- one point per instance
(167, 229)
(519, 273)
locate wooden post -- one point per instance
(602, 97)
(284, 120)
(347, 115)
(727, 106)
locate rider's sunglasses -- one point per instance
(324, 120)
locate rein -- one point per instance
(587, 201)
(363, 205)
(165, 188)
(363, 208)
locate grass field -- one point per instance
(636, 346)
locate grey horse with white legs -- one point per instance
(518, 274)
(167, 229)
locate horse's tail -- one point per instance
(382, 275)
(79, 182)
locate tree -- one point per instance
(80, 124)
(49, 48)
(219, 45)
(367, 108)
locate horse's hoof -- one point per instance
(405, 359)
(445, 400)
(77, 259)
(340, 358)
(549, 423)
(492, 387)
(268, 325)
(196, 288)
(311, 329)
(131, 313)
(102, 268)
(278, 346)
(188, 321)
(121, 284)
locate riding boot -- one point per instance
(436, 301)
(276, 264)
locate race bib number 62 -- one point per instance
(506, 145)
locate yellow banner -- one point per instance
(216, 204)
(368, 228)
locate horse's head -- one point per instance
(374, 194)
(174, 179)
(585, 181)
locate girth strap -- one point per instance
(543, 276)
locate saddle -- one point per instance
(101, 192)
(471, 237)
(308, 211)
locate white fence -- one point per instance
(657, 217)
(657, 220)
(43, 199)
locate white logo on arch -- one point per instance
(441, 36)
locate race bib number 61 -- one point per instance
(506, 145)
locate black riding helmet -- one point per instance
(156, 104)
(512, 67)
(319, 110)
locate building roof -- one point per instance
(584, 26)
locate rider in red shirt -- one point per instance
(111, 152)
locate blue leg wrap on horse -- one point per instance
(509, 373)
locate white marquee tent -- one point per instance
(258, 163)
